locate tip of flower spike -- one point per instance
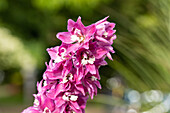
(79, 18)
(106, 17)
(103, 20)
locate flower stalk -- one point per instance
(73, 70)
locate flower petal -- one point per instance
(31, 110)
(100, 52)
(81, 26)
(74, 105)
(109, 56)
(91, 68)
(70, 25)
(101, 21)
(52, 52)
(80, 88)
(65, 37)
(90, 30)
(102, 39)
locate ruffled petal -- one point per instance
(70, 25)
(101, 21)
(90, 30)
(91, 68)
(65, 37)
(31, 110)
(81, 26)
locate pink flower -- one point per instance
(105, 35)
(78, 35)
(59, 53)
(105, 32)
(73, 70)
(91, 83)
(69, 102)
(86, 59)
(42, 104)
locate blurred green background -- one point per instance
(138, 80)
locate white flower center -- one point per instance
(105, 34)
(63, 53)
(36, 102)
(91, 60)
(73, 97)
(77, 31)
(77, 36)
(85, 60)
(46, 110)
(45, 83)
(74, 38)
(68, 97)
(65, 98)
(62, 57)
(58, 59)
(67, 78)
(64, 80)
(80, 39)
(93, 78)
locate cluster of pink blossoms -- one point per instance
(72, 72)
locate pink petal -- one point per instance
(95, 89)
(62, 108)
(80, 88)
(90, 90)
(80, 24)
(65, 37)
(101, 21)
(100, 52)
(52, 93)
(111, 32)
(111, 39)
(31, 110)
(60, 102)
(90, 30)
(80, 73)
(74, 105)
(91, 68)
(73, 47)
(98, 84)
(52, 75)
(86, 45)
(109, 56)
(70, 25)
(102, 39)
(49, 103)
(52, 53)
(111, 25)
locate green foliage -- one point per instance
(3, 5)
(144, 49)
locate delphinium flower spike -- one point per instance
(73, 70)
